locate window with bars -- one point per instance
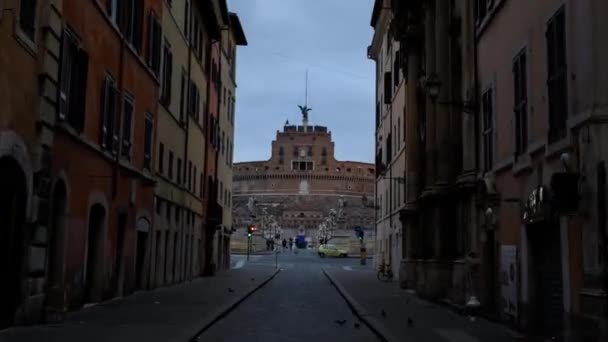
(73, 81)
(488, 129)
(556, 76)
(520, 102)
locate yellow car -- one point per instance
(332, 251)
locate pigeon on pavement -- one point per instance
(230, 290)
(357, 325)
(340, 322)
(410, 322)
(383, 314)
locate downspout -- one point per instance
(119, 108)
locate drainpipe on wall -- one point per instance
(121, 67)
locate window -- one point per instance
(186, 18)
(557, 81)
(388, 88)
(154, 42)
(200, 50)
(109, 96)
(112, 10)
(222, 143)
(231, 153)
(127, 127)
(488, 129)
(281, 155)
(481, 10)
(194, 179)
(170, 172)
(195, 99)
(189, 175)
(182, 96)
(195, 32)
(159, 205)
(27, 18)
(148, 140)
(520, 109)
(202, 185)
(130, 20)
(168, 213)
(165, 96)
(396, 68)
(398, 134)
(179, 171)
(73, 82)
(161, 158)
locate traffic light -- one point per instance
(250, 230)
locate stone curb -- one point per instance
(372, 322)
(223, 310)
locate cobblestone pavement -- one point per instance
(173, 313)
(430, 322)
(299, 304)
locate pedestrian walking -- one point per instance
(284, 244)
(290, 244)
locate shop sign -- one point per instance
(536, 207)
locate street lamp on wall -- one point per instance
(432, 86)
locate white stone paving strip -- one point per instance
(455, 335)
(347, 268)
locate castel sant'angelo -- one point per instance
(302, 185)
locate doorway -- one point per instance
(546, 282)
(13, 201)
(119, 252)
(94, 263)
(143, 229)
(56, 247)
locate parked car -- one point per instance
(331, 251)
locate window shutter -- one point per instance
(78, 90)
(112, 134)
(103, 134)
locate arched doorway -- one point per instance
(56, 247)
(143, 231)
(94, 255)
(13, 201)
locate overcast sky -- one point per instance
(286, 37)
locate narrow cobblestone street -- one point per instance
(299, 304)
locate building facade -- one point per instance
(541, 88)
(29, 32)
(504, 167)
(104, 135)
(390, 143)
(298, 187)
(231, 38)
